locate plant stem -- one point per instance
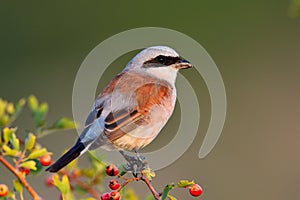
(155, 194)
(31, 191)
(127, 181)
(21, 195)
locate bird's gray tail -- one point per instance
(69, 156)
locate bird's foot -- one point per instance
(135, 164)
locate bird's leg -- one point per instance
(136, 164)
(141, 158)
(131, 163)
(127, 157)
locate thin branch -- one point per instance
(127, 181)
(155, 194)
(31, 191)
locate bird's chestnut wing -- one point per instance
(123, 121)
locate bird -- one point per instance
(133, 107)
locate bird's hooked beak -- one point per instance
(182, 64)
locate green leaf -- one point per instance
(15, 111)
(33, 103)
(68, 196)
(38, 166)
(15, 141)
(7, 132)
(3, 104)
(18, 187)
(10, 152)
(30, 141)
(65, 183)
(10, 196)
(4, 120)
(89, 198)
(40, 115)
(20, 104)
(4, 116)
(44, 108)
(29, 165)
(62, 185)
(10, 108)
(39, 118)
(185, 183)
(64, 123)
(56, 181)
(122, 169)
(149, 173)
(38, 153)
(166, 191)
(39, 111)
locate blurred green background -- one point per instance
(254, 43)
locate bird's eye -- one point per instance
(161, 59)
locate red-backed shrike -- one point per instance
(132, 109)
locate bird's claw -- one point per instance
(135, 164)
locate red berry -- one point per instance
(3, 190)
(45, 160)
(196, 190)
(49, 181)
(24, 171)
(114, 184)
(112, 170)
(114, 195)
(105, 196)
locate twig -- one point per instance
(31, 191)
(127, 181)
(156, 195)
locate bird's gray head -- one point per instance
(160, 61)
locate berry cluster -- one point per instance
(114, 195)
(112, 170)
(45, 160)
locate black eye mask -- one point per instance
(161, 61)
